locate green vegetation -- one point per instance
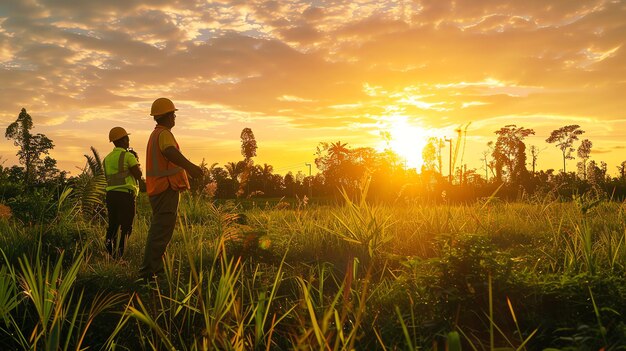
(405, 260)
(350, 275)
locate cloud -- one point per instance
(303, 34)
(608, 150)
(303, 65)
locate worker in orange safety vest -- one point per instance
(166, 177)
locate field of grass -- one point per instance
(350, 275)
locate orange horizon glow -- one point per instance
(301, 72)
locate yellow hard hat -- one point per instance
(162, 106)
(117, 133)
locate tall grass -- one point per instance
(355, 275)
(62, 317)
(211, 306)
(363, 224)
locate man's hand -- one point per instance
(173, 155)
(195, 171)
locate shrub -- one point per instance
(10, 190)
(37, 206)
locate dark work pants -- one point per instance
(164, 212)
(121, 209)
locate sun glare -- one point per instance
(407, 141)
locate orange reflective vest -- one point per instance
(162, 174)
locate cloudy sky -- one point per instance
(301, 72)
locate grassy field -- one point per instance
(350, 275)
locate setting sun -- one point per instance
(363, 175)
(407, 141)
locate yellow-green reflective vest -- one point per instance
(117, 172)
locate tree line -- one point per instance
(506, 161)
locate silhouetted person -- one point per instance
(122, 172)
(166, 177)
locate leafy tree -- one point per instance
(431, 154)
(622, 170)
(236, 172)
(16, 174)
(290, 183)
(48, 171)
(300, 177)
(564, 138)
(277, 185)
(10, 182)
(248, 144)
(265, 173)
(338, 151)
(255, 181)
(199, 184)
(234, 169)
(32, 147)
(604, 167)
(470, 176)
(584, 151)
(246, 175)
(534, 155)
(225, 184)
(248, 151)
(343, 168)
(336, 162)
(596, 174)
(389, 153)
(510, 151)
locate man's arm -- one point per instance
(135, 171)
(173, 155)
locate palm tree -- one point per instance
(266, 174)
(234, 170)
(266, 170)
(94, 163)
(338, 150)
(89, 187)
(209, 170)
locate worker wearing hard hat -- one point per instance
(121, 169)
(166, 177)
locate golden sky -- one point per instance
(301, 72)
